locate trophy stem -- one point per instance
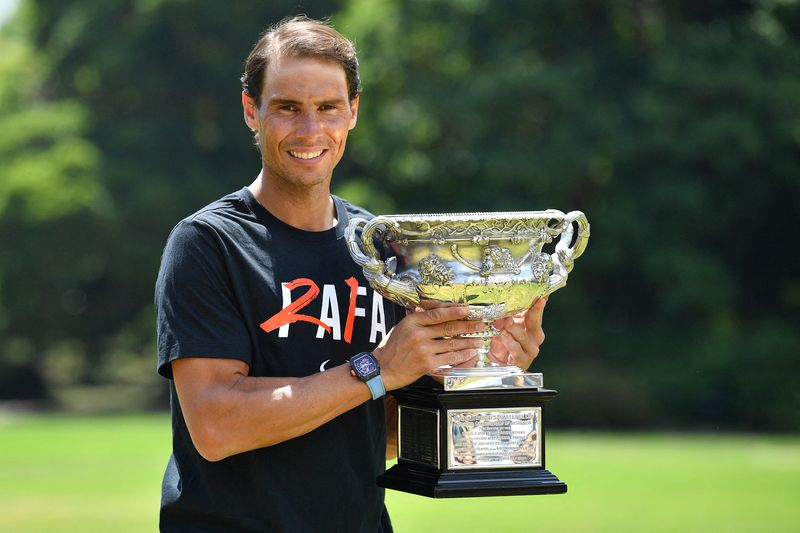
(484, 359)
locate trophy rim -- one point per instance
(478, 215)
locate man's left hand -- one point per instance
(520, 337)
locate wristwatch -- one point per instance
(365, 367)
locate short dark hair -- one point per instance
(300, 36)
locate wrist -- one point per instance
(389, 377)
(365, 368)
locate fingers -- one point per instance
(443, 337)
(457, 358)
(469, 363)
(529, 339)
(498, 350)
(522, 353)
(455, 344)
(458, 327)
(526, 336)
(506, 350)
(533, 316)
(530, 323)
(440, 315)
(520, 337)
(448, 321)
(430, 338)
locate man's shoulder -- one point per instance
(220, 217)
(354, 210)
(230, 205)
(219, 213)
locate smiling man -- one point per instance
(277, 350)
(302, 122)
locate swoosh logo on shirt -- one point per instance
(322, 366)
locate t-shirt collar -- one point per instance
(342, 218)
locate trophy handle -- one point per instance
(375, 270)
(565, 256)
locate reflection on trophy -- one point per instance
(471, 431)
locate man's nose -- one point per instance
(309, 124)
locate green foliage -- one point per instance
(117, 118)
(48, 178)
(674, 126)
(41, 143)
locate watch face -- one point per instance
(365, 365)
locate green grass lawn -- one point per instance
(62, 473)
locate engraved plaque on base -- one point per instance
(471, 443)
(506, 437)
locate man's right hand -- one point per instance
(425, 340)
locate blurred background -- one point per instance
(675, 126)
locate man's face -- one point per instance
(303, 121)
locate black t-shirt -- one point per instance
(236, 282)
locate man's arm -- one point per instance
(228, 412)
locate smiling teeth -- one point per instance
(306, 155)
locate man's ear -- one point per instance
(250, 110)
(354, 111)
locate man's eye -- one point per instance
(289, 107)
(327, 107)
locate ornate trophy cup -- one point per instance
(471, 431)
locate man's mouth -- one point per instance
(306, 155)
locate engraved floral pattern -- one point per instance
(433, 270)
(487, 313)
(498, 260)
(541, 267)
(471, 226)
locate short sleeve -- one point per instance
(196, 312)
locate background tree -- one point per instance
(156, 83)
(49, 186)
(674, 126)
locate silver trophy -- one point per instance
(481, 432)
(492, 262)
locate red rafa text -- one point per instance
(330, 317)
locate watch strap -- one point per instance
(376, 387)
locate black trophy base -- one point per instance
(436, 484)
(432, 445)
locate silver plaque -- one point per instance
(498, 438)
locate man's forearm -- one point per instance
(230, 416)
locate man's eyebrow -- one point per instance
(288, 101)
(283, 101)
(333, 101)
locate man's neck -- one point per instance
(308, 209)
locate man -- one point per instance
(260, 309)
